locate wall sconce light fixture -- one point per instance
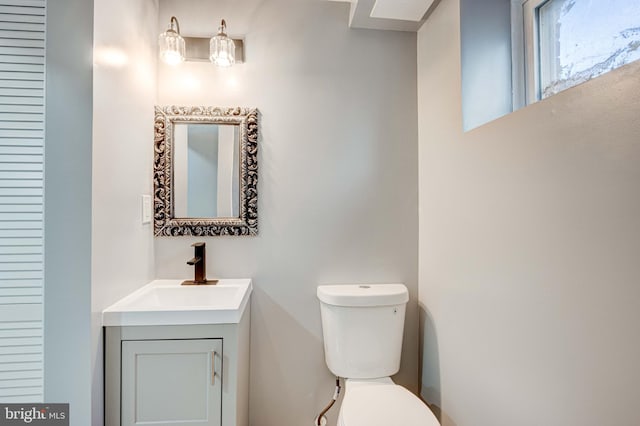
(219, 49)
(172, 44)
(222, 50)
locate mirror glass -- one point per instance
(206, 170)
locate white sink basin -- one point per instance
(166, 302)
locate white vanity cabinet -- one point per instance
(177, 374)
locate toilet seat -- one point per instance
(381, 402)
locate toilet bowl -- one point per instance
(362, 326)
(380, 402)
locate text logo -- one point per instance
(34, 414)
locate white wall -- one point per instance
(67, 287)
(338, 180)
(124, 94)
(529, 242)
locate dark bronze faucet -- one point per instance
(200, 262)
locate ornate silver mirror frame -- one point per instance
(165, 222)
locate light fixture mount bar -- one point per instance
(197, 49)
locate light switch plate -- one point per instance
(146, 209)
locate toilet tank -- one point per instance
(362, 327)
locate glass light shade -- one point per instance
(222, 50)
(171, 47)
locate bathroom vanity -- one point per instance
(178, 355)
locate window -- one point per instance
(567, 42)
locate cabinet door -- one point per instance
(172, 382)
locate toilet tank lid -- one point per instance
(363, 294)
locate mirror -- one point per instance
(205, 171)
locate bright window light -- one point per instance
(576, 40)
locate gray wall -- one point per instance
(67, 362)
(124, 92)
(202, 174)
(338, 180)
(529, 242)
(486, 60)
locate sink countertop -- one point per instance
(166, 302)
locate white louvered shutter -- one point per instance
(22, 45)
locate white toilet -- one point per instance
(362, 327)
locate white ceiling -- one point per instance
(406, 10)
(398, 15)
